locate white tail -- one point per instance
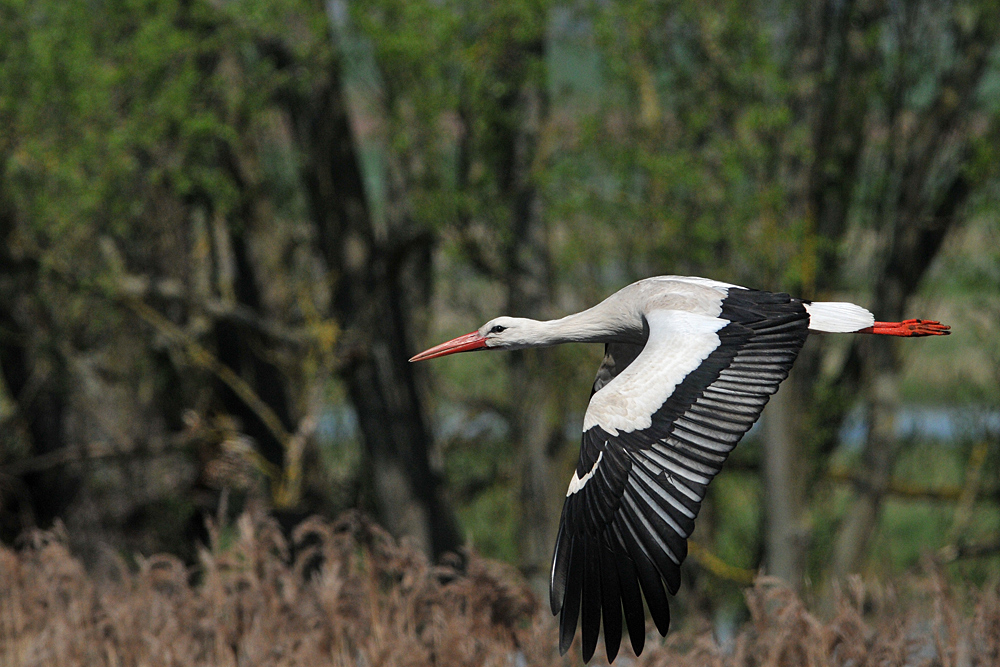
(838, 317)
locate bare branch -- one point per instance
(909, 491)
(202, 357)
(136, 286)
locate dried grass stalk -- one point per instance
(345, 593)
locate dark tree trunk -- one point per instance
(535, 423)
(913, 250)
(371, 302)
(834, 109)
(239, 348)
(785, 535)
(928, 157)
(920, 187)
(508, 145)
(35, 378)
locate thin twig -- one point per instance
(200, 356)
(66, 455)
(719, 567)
(950, 493)
(966, 500)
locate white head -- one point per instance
(512, 333)
(501, 333)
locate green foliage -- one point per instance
(109, 109)
(693, 139)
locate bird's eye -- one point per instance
(497, 329)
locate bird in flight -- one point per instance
(689, 364)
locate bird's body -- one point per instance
(689, 365)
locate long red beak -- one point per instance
(466, 343)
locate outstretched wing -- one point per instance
(655, 434)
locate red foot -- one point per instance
(909, 328)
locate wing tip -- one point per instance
(591, 599)
(560, 570)
(564, 645)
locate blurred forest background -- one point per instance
(227, 224)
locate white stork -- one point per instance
(689, 364)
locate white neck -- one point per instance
(599, 324)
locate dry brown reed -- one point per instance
(345, 593)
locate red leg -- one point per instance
(908, 328)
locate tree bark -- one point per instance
(879, 455)
(922, 187)
(912, 251)
(928, 157)
(535, 423)
(833, 106)
(239, 348)
(510, 147)
(35, 376)
(784, 491)
(371, 302)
